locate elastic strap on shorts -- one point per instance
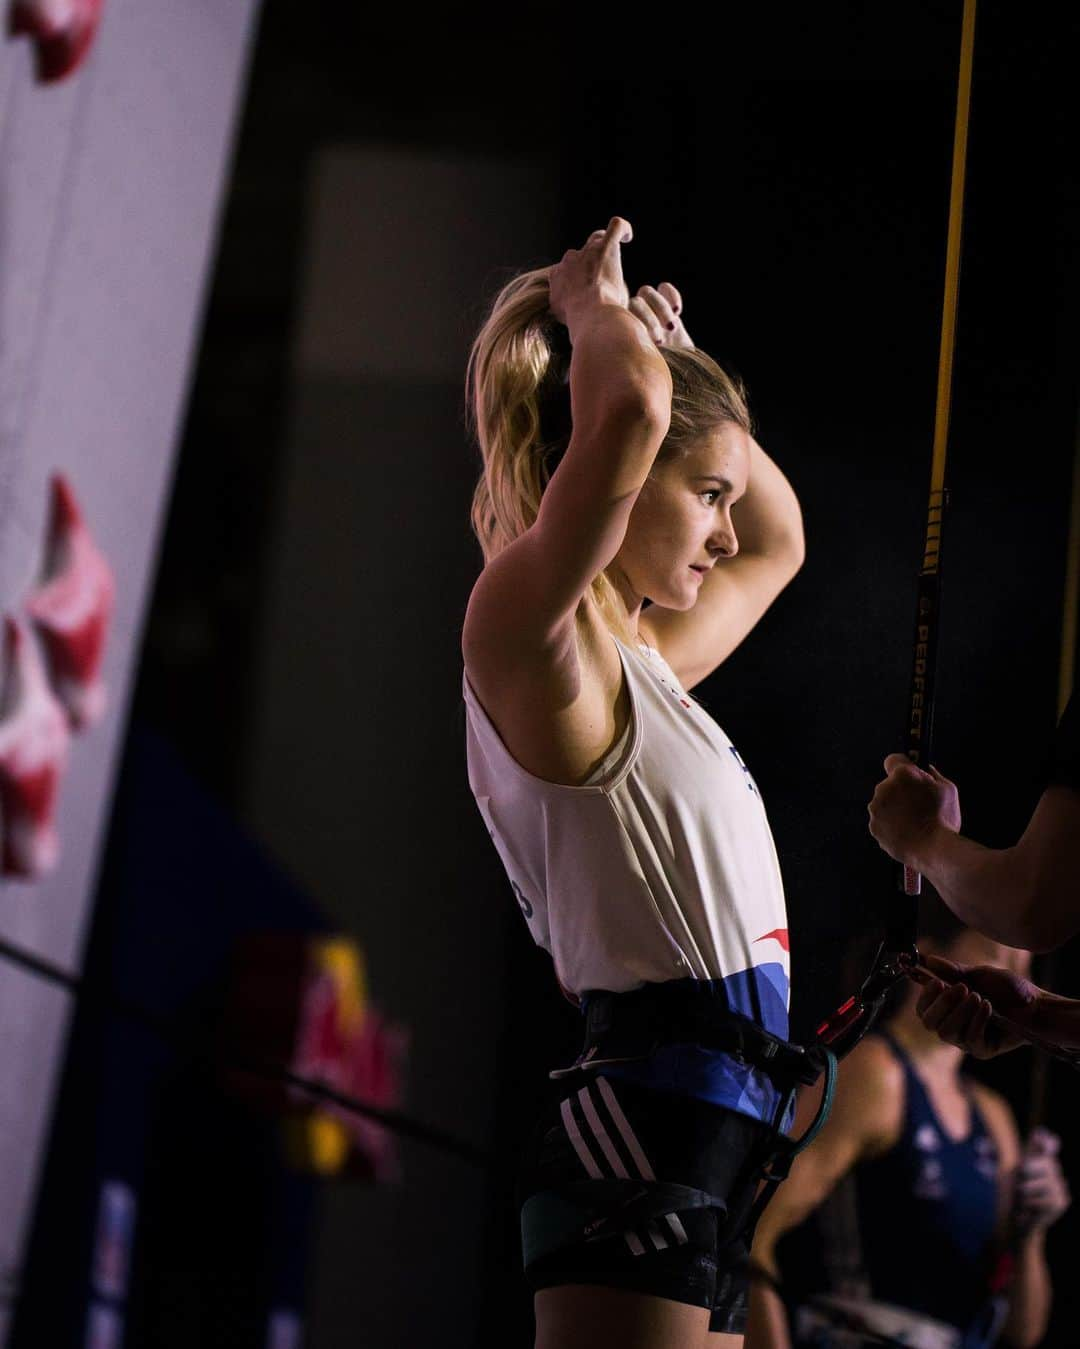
(592, 1210)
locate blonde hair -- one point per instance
(518, 408)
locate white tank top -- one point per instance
(663, 869)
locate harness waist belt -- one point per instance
(623, 1027)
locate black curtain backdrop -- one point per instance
(804, 221)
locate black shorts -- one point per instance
(602, 1128)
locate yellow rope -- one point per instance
(931, 555)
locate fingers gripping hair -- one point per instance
(518, 408)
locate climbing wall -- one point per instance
(111, 182)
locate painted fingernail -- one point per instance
(671, 325)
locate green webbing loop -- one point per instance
(824, 1108)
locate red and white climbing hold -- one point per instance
(72, 608)
(64, 31)
(34, 741)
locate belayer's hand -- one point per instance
(909, 807)
(958, 1002)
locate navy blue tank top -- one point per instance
(928, 1211)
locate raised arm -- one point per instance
(620, 395)
(768, 525)
(739, 589)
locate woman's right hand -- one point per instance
(590, 276)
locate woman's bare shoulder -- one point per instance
(557, 711)
(872, 1085)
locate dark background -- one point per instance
(791, 176)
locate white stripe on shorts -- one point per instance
(588, 1161)
(636, 1151)
(614, 1160)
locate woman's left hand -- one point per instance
(660, 309)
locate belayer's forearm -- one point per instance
(1056, 1019)
(987, 888)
